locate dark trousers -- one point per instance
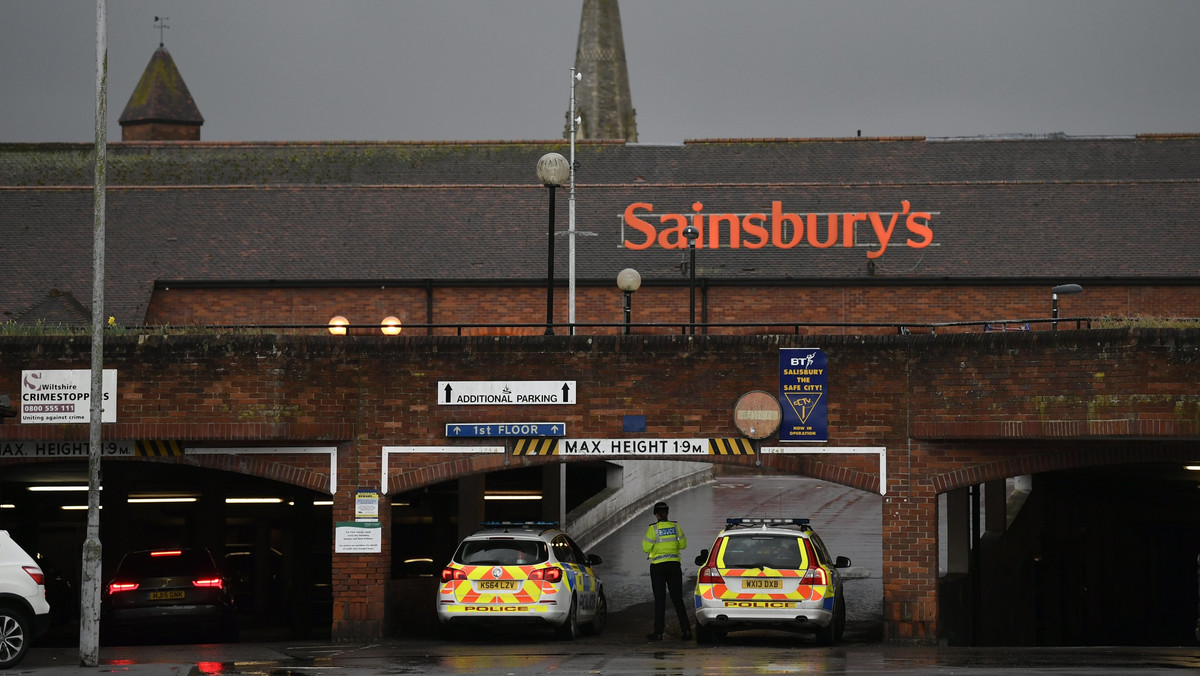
(668, 577)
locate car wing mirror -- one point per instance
(701, 557)
(593, 560)
(841, 562)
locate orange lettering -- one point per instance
(917, 227)
(848, 221)
(640, 225)
(777, 215)
(735, 230)
(755, 230)
(680, 223)
(833, 234)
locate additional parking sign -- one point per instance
(803, 380)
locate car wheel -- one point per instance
(839, 619)
(706, 634)
(14, 637)
(600, 618)
(569, 630)
(827, 634)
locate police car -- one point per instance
(769, 574)
(512, 573)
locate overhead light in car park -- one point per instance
(77, 508)
(58, 488)
(253, 501)
(1194, 468)
(158, 500)
(7, 505)
(322, 503)
(512, 495)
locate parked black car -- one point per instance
(176, 593)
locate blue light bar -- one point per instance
(519, 524)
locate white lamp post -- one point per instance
(628, 281)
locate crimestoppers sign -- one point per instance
(65, 396)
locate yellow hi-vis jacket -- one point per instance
(663, 542)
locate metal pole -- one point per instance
(692, 287)
(571, 213)
(1054, 312)
(628, 310)
(550, 271)
(89, 599)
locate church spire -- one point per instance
(602, 97)
(161, 107)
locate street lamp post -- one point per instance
(628, 281)
(552, 170)
(1063, 289)
(691, 233)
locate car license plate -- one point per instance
(762, 584)
(500, 585)
(167, 595)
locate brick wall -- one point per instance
(951, 409)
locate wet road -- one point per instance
(848, 521)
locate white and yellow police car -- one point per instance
(512, 573)
(769, 574)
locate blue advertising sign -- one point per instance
(509, 429)
(803, 381)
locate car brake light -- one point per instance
(548, 574)
(450, 574)
(814, 576)
(36, 574)
(115, 587)
(710, 576)
(209, 582)
(167, 552)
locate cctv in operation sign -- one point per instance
(803, 384)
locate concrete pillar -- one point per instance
(554, 492)
(995, 507)
(470, 504)
(958, 531)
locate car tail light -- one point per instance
(36, 573)
(450, 574)
(551, 574)
(167, 552)
(814, 576)
(209, 583)
(116, 587)
(710, 575)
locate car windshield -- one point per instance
(501, 552)
(178, 563)
(762, 551)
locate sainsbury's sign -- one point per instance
(780, 229)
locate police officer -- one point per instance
(663, 541)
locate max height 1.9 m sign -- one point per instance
(803, 384)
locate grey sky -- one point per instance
(265, 70)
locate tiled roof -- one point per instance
(161, 95)
(1001, 211)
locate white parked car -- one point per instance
(24, 611)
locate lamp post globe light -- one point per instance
(1063, 289)
(691, 233)
(628, 281)
(552, 170)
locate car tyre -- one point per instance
(839, 619)
(14, 637)
(600, 618)
(569, 630)
(706, 634)
(827, 635)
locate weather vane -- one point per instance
(160, 22)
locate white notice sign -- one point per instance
(505, 392)
(65, 396)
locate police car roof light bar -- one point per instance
(765, 521)
(519, 524)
